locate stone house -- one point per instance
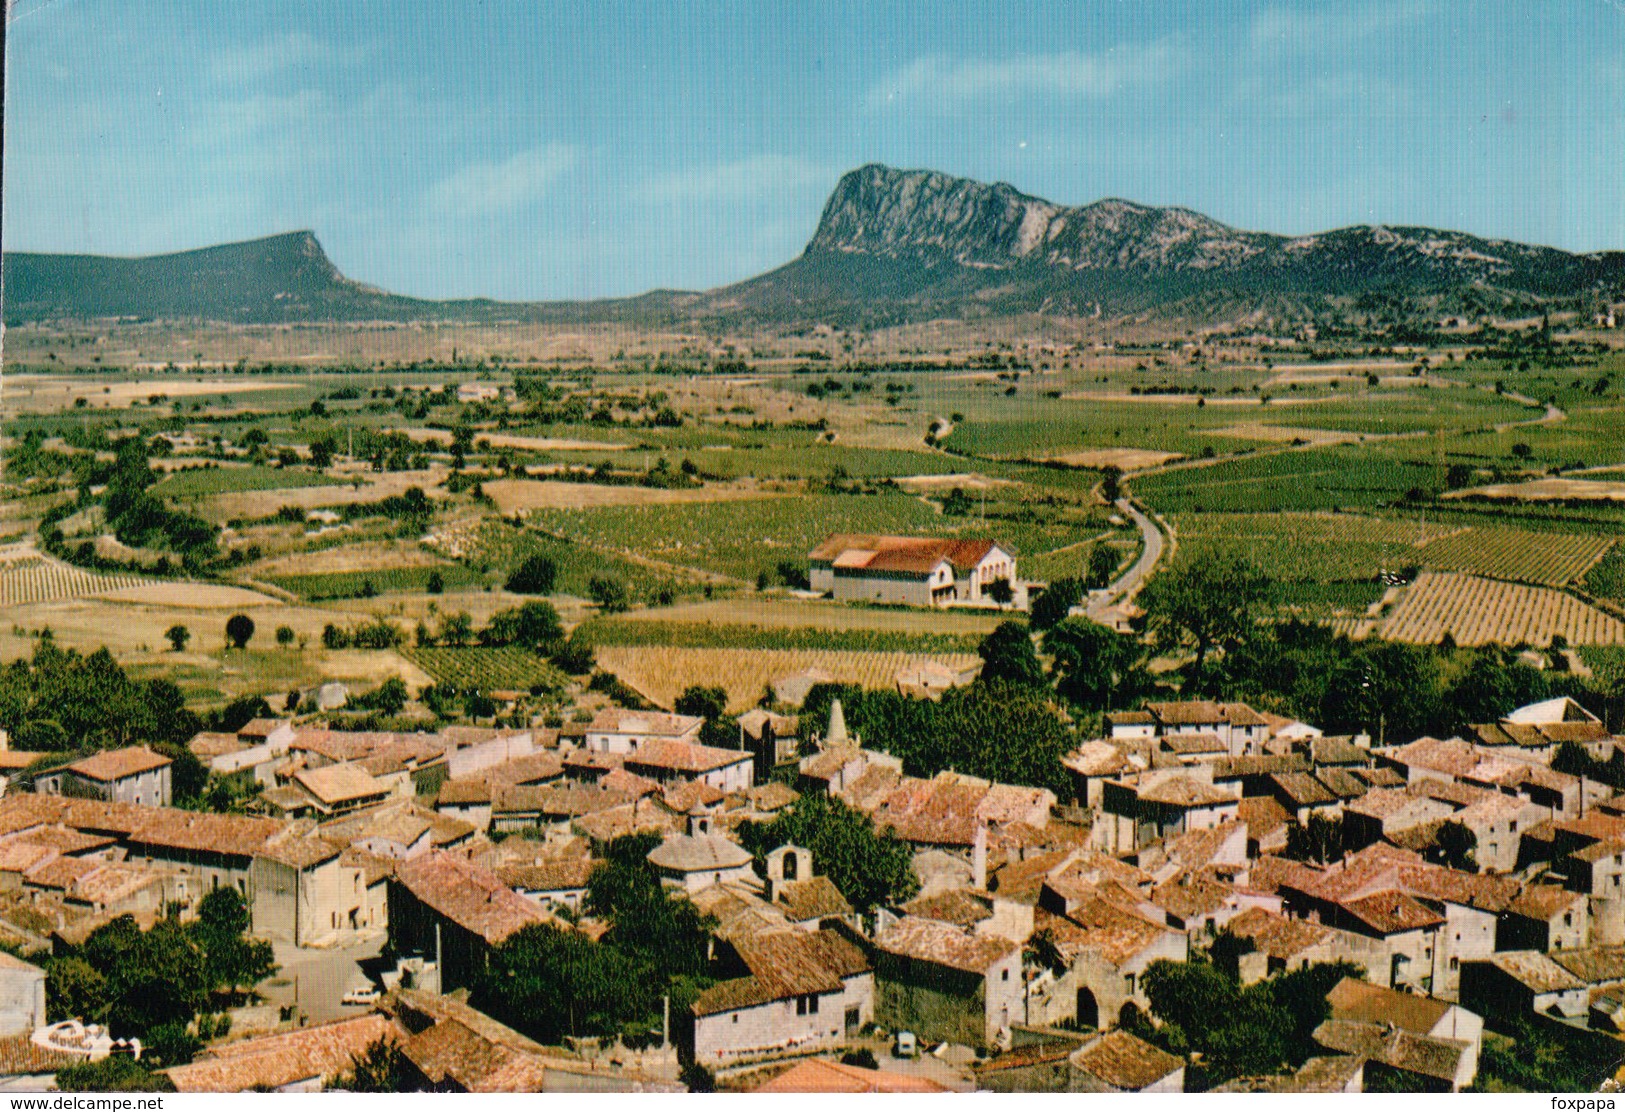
(916, 571)
(1118, 1062)
(1359, 1001)
(617, 730)
(132, 775)
(22, 996)
(1152, 806)
(452, 911)
(1545, 917)
(946, 984)
(306, 1060)
(701, 858)
(799, 990)
(1514, 983)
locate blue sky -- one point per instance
(541, 150)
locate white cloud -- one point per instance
(1279, 29)
(1072, 74)
(270, 56)
(756, 178)
(487, 188)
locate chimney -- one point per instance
(978, 857)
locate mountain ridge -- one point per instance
(891, 245)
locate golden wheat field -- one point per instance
(1474, 610)
(660, 674)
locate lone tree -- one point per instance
(178, 636)
(1208, 604)
(239, 628)
(1007, 654)
(284, 636)
(536, 576)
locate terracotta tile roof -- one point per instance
(271, 1061)
(618, 720)
(1380, 777)
(1337, 751)
(1192, 892)
(958, 906)
(1277, 935)
(918, 555)
(685, 796)
(1191, 712)
(792, 962)
(1454, 757)
(1263, 815)
(1240, 714)
(1183, 791)
(1022, 880)
(469, 895)
(1342, 783)
(339, 783)
(463, 793)
(117, 764)
(1535, 971)
(771, 796)
(373, 867)
(207, 745)
(1130, 718)
(782, 964)
(549, 876)
(699, 853)
(1196, 848)
(1236, 768)
(820, 1075)
(940, 944)
(1542, 901)
(1392, 912)
(1302, 789)
(397, 820)
(20, 1056)
(1420, 1054)
(1364, 1002)
(450, 1051)
(1594, 963)
(533, 769)
(683, 756)
(1125, 1061)
(1480, 890)
(606, 826)
(1193, 744)
(555, 801)
(1102, 926)
(814, 898)
(354, 745)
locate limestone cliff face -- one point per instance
(932, 218)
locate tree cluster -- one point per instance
(1262, 1029)
(154, 984)
(870, 868)
(657, 944)
(997, 730)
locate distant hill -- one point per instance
(924, 243)
(892, 245)
(280, 278)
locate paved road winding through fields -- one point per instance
(1130, 582)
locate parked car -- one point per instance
(366, 994)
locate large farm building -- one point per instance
(919, 571)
